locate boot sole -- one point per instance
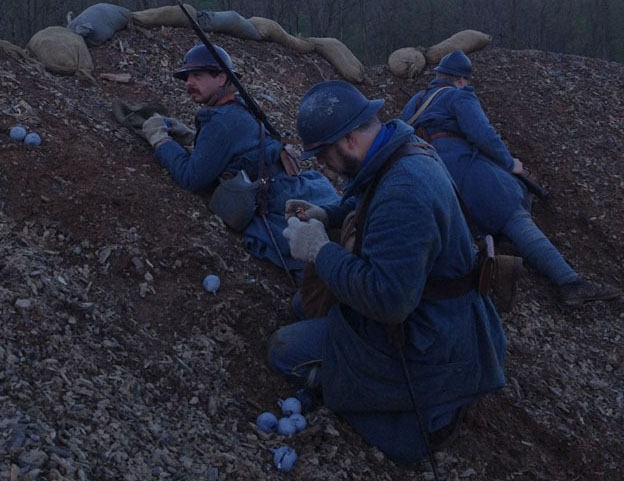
(582, 300)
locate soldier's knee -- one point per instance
(276, 351)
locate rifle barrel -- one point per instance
(534, 187)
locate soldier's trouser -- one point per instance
(536, 249)
(295, 350)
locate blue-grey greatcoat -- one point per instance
(228, 141)
(479, 162)
(414, 230)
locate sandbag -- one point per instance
(171, 16)
(466, 40)
(406, 62)
(99, 22)
(13, 50)
(339, 55)
(61, 51)
(20, 55)
(272, 31)
(229, 22)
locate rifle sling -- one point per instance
(424, 106)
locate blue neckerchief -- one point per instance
(380, 140)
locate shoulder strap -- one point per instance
(424, 106)
(404, 150)
(262, 193)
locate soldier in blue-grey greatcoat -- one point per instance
(228, 140)
(484, 171)
(414, 237)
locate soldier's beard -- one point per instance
(349, 164)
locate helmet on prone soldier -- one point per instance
(199, 58)
(455, 63)
(329, 111)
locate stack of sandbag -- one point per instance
(229, 22)
(61, 51)
(99, 22)
(334, 51)
(466, 40)
(170, 16)
(407, 62)
(272, 31)
(339, 55)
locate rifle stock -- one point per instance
(251, 103)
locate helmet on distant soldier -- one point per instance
(199, 58)
(329, 111)
(455, 63)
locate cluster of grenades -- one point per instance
(19, 133)
(291, 422)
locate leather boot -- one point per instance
(506, 274)
(580, 291)
(444, 436)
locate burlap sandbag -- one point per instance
(406, 62)
(61, 51)
(272, 31)
(99, 22)
(171, 16)
(20, 55)
(339, 55)
(229, 22)
(466, 40)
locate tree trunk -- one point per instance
(364, 40)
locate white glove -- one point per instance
(305, 238)
(305, 211)
(155, 130)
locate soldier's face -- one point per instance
(204, 86)
(337, 158)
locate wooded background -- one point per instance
(373, 29)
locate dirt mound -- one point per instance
(117, 365)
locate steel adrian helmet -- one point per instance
(455, 63)
(200, 58)
(329, 111)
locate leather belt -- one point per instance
(442, 135)
(440, 289)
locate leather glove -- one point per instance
(305, 211)
(182, 134)
(155, 130)
(305, 238)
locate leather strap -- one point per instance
(411, 148)
(441, 135)
(424, 106)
